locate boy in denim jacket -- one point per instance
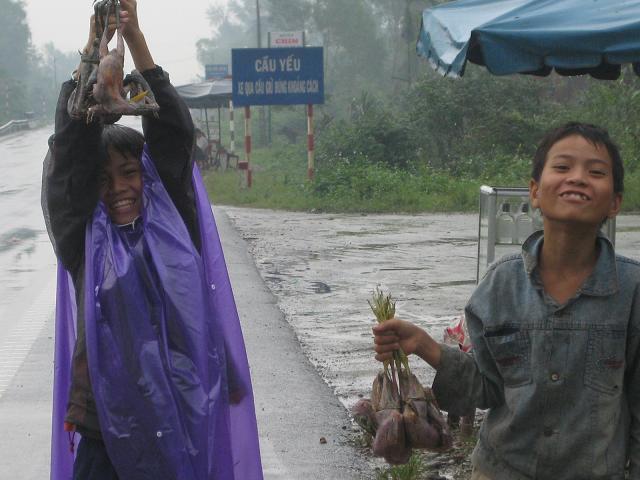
(555, 331)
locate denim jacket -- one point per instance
(561, 382)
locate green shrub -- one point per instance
(414, 469)
(374, 131)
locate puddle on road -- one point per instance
(397, 269)
(323, 268)
(16, 238)
(625, 229)
(10, 191)
(452, 283)
(320, 287)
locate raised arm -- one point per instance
(71, 180)
(134, 37)
(170, 136)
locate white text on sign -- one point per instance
(277, 87)
(273, 65)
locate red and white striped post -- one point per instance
(232, 129)
(247, 143)
(310, 141)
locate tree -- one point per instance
(356, 52)
(348, 30)
(15, 39)
(15, 55)
(461, 124)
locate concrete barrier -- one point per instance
(14, 126)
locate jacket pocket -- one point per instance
(512, 354)
(605, 362)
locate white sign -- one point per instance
(286, 39)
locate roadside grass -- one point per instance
(279, 182)
(414, 469)
(631, 196)
(354, 185)
(426, 465)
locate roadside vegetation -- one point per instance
(432, 148)
(394, 136)
(29, 78)
(426, 465)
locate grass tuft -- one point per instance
(415, 469)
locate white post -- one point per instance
(232, 129)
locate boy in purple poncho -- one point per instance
(157, 386)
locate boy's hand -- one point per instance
(129, 20)
(132, 34)
(395, 333)
(236, 396)
(92, 31)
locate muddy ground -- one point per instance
(323, 268)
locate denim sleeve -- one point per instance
(632, 381)
(465, 381)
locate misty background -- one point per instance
(368, 43)
(392, 135)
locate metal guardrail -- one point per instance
(14, 126)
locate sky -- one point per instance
(171, 29)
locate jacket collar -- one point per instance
(603, 280)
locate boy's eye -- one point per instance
(598, 173)
(560, 167)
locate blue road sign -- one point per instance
(216, 71)
(277, 76)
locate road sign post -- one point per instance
(216, 71)
(280, 76)
(310, 143)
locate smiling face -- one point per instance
(576, 184)
(121, 187)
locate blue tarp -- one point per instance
(573, 37)
(208, 94)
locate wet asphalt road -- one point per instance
(321, 269)
(294, 406)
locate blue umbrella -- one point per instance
(573, 37)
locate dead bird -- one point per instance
(102, 88)
(108, 91)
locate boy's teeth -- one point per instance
(122, 203)
(576, 195)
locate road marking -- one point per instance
(20, 339)
(272, 467)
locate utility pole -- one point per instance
(409, 34)
(263, 123)
(258, 23)
(55, 74)
(6, 102)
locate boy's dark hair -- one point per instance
(123, 140)
(594, 134)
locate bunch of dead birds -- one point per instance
(401, 414)
(102, 89)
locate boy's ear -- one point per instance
(616, 203)
(533, 194)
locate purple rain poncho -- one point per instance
(166, 355)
